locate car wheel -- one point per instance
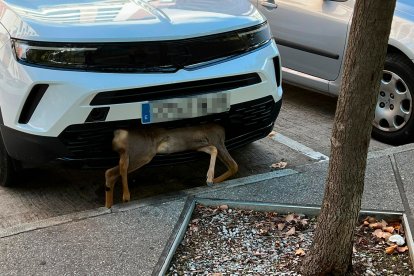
(394, 122)
(7, 171)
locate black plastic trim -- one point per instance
(32, 101)
(276, 64)
(175, 90)
(30, 148)
(305, 48)
(98, 114)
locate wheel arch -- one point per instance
(393, 48)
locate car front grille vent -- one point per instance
(32, 101)
(175, 90)
(94, 140)
(276, 64)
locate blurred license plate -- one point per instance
(182, 108)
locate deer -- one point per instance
(138, 146)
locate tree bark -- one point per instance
(331, 251)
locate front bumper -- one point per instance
(90, 144)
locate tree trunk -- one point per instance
(331, 251)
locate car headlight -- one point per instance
(257, 36)
(146, 56)
(48, 55)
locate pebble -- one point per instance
(370, 273)
(397, 239)
(224, 207)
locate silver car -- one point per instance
(312, 37)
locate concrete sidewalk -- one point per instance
(130, 238)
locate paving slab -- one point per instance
(307, 188)
(121, 243)
(405, 165)
(381, 191)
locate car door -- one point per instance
(311, 34)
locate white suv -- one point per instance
(312, 36)
(71, 72)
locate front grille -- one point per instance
(244, 123)
(164, 56)
(175, 90)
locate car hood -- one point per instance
(123, 20)
(405, 9)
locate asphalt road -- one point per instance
(303, 131)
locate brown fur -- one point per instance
(137, 147)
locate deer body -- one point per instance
(137, 147)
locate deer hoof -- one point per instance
(210, 184)
(126, 198)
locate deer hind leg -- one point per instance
(212, 150)
(123, 171)
(226, 158)
(111, 176)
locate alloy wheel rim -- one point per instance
(394, 105)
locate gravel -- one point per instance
(222, 241)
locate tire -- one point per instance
(7, 170)
(394, 120)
